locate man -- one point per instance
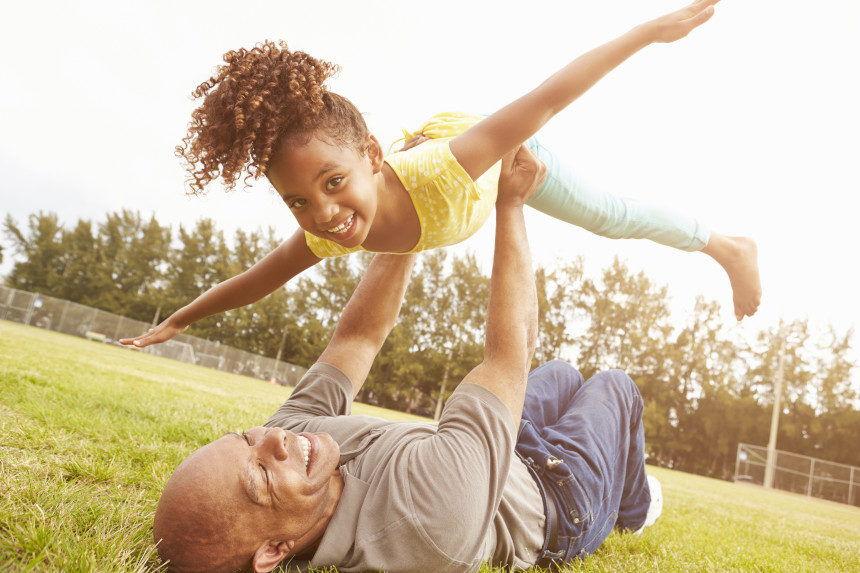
(317, 486)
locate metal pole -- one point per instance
(91, 325)
(441, 399)
(851, 487)
(273, 377)
(157, 316)
(811, 472)
(118, 328)
(30, 308)
(8, 304)
(737, 461)
(774, 418)
(63, 316)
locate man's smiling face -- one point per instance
(270, 479)
(244, 490)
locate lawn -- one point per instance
(91, 432)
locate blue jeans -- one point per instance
(565, 196)
(584, 444)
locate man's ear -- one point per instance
(269, 554)
(374, 153)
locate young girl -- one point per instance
(266, 111)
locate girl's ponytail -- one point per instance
(254, 102)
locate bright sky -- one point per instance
(751, 123)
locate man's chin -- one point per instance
(328, 458)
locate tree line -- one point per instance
(705, 389)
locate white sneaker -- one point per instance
(656, 506)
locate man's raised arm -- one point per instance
(368, 317)
(512, 310)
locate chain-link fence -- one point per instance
(71, 318)
(800, 474)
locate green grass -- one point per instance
(91, 432)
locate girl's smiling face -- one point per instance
(331, 189)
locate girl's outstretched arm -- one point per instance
(289, 259)
(481, 146)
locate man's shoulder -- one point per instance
(324, 391)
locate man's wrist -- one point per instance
(509, 207)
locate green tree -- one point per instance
(259, 327)
(834, 387)
(836, 423)
(40, 248)
(315, 301)
(628, 323)
(557, 292)
(200, 261)
(83, 262)
(134, 257)
(702, 371)
(454, 313)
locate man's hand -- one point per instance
(681, 22)
(522, 173)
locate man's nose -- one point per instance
(273, 443)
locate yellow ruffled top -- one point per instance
(450, 206)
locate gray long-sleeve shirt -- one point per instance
(417, 496)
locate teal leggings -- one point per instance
(564, 196)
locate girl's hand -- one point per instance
(522, 173)
(164, 331)
(678, 24)
(415, 140)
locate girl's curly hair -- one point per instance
(256, 101)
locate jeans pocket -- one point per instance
(599, 533)
(575, 503)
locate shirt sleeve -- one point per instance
(324, 390)
(455, 478)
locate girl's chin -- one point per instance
(350, 240)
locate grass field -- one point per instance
(91, 432)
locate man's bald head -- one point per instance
(198, 523)
(246, 498)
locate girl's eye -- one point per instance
(296, 203)
(245, 437)
(265, 474)
(333, 182)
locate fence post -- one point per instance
(63, 316)
(93, 319)
(811, 472)
(8, 304)
(30, 308)
(737, 461)
(851, 487)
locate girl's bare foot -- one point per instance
(739, 258)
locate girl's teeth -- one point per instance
(343, 226)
